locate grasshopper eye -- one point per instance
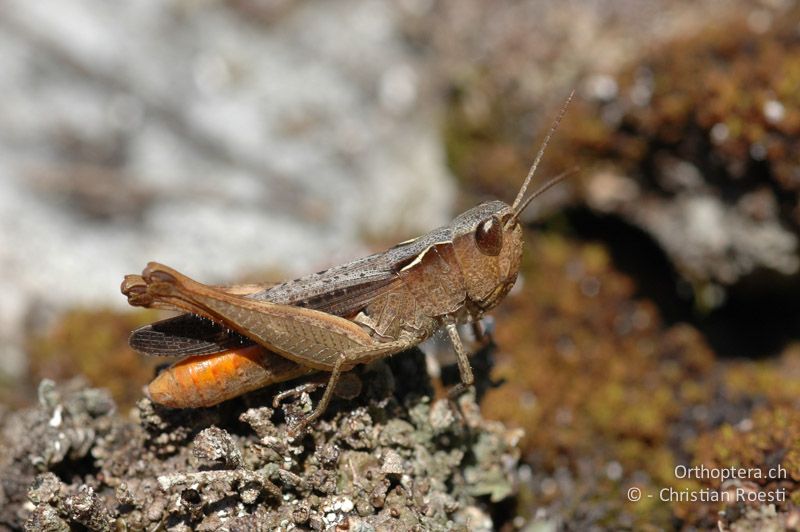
(489, 236)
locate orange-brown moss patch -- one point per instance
(94, 343)
(592, 374)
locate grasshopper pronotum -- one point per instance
(239, 338)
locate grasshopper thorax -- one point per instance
(487, 240)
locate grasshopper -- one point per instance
(242, 337)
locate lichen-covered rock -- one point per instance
(61, 435)
(393, 459)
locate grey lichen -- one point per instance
(392, 459)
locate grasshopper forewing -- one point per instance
(242, 337)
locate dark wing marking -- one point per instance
(186, 334)
(348, 300)
(355, 282)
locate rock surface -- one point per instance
(392, 460)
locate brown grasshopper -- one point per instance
(243, 337)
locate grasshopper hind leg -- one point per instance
(302, 424)
(296, 391)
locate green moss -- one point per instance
(594, 377)
(770, 438)
(607, 381)
(778, 382)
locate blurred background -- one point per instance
(657, 320)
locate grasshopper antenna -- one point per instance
(532, 171)
(542, 189)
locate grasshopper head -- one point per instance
(487, 240)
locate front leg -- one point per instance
(464, 368)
